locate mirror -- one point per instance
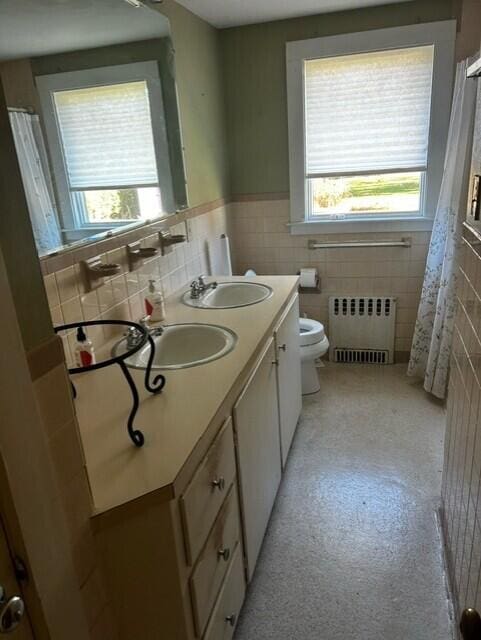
(90, 90)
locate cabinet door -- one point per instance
(256, 423)
(288, 375)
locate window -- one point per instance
(108, 150)
(367, 125)
(105, 145)
(361, 127)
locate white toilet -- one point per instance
(314, 344)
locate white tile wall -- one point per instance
(261, 241)
(461, 491)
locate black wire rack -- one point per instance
(154, 385)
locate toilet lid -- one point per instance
(311, 331)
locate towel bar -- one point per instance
(313, 244)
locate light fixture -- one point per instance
(134, 3)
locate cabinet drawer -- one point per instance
(214, 560)
(226, 611)
(207, 490)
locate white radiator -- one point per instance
(361, 329)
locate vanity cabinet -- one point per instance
(173, 568)
(176, 565)
(289, 387)
(256, 423)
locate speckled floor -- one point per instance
(353, 551)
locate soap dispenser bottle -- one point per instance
(154, 303)
(84, 350)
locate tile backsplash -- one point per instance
(262, 242)
(122, 297)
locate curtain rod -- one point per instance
(29, 110)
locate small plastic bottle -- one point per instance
(154, 303)
(84, 350)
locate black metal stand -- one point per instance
(153, 386)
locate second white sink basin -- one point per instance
(183, 345)
(229, 295)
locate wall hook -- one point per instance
(136, 254)
(94, 271)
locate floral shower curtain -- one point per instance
(433, 332)
(32, 159)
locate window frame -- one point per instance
(72, 214)
(442, 35)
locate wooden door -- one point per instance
(288, 375)
(256, 422)
(14, 620)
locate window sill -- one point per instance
(325, 227)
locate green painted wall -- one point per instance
(255, 84)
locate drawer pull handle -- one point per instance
(231, 619)
(283, 347)
(219, 483)
(224, 553)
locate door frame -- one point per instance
(30, 505)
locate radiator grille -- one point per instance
(361, 356)
(361, 329)
(362, 306)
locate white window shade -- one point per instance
(368, 112)
(106, 134)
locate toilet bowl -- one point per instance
(313, 345)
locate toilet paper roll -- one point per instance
(309, 278)
(219, 256)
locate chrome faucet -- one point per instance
(154, 331)
(199, 287)
(134, 336)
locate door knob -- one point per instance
(12, 611)
(231, 619)
(219, 483)
(470, 625)
(224, 552)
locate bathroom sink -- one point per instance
(229, 295)
(183, 345)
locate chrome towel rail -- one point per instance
(355, 244)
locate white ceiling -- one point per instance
(39, 27)
(230, 13)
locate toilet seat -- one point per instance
(310, 332)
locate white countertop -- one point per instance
(174, 421)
